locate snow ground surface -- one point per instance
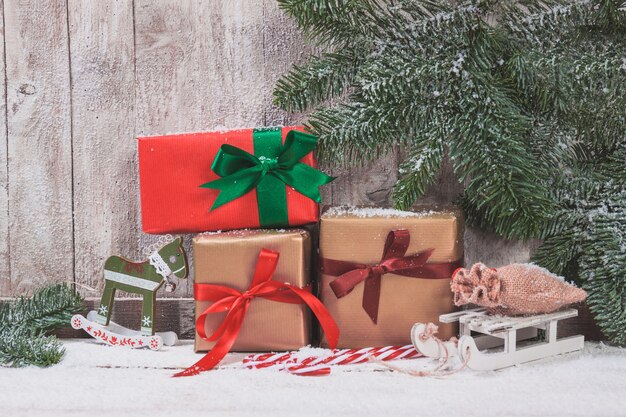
(96, 380)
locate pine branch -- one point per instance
(561, 20)
(419, 171)
(23, 324)
(542, 81)
(503, 186)
(20, 348)
(346, 133)
(49, 307)
(318, 80)
(557, 252)
(332, 21)
(427, 20)
(603, 265)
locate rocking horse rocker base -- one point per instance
(498, 331)
(115, 335)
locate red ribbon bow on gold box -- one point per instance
(236, 303)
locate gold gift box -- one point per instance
(229, 259)
(358, 235)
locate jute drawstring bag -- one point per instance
(515, 289)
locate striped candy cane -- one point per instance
(320, 365)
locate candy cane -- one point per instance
(316, 365)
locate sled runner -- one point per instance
(491, 331)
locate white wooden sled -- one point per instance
(499, 331)
(116, 335)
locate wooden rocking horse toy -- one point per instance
(163, 266)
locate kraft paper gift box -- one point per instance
(352, 242)
(229, 259)
(247, 178)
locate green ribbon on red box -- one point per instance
(272, 166)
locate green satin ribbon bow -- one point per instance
(272, 166)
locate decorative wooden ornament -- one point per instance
(497, 331)
(163, 266)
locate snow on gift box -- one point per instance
(383, 270)
(246, 178)
(252, 294)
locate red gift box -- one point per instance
(172, 168)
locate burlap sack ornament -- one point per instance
(513, 289)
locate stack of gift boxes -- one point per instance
(245, 192)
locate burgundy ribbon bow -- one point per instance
(350, 274)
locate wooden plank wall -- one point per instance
(83, 78)
(5, 271)
(39, 144)
(106, 208)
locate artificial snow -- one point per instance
(245, 232)
(375, 212)
(96, 380)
